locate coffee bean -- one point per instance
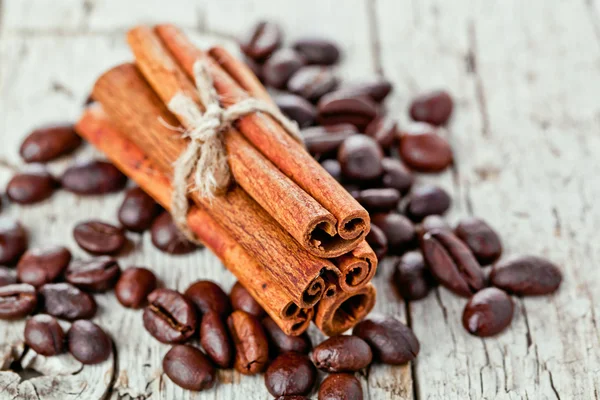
(292, 398)
(296, 108)
(483, 241)
(88, 343)
(488, 312)
(138, 210)
(377, 90)
(7, 276)
(283, 343)
(452, 263)
(241, 299)
(13, 240)
(383, 130)
(379, 199)
(278, 69)
(251, 345)
(97, 237)
(312, 82)
(358, 111)
(208, 296)
(93, 177)
(391, 341)
(333, 168)
(432, 222)
(412, 277)
(33, 185)
(169, 316)
(96, 275)
(215, 339)
(427, 200)
(44, 335)
(396, 175)
(43, 264)
(424, 150)
(360, 158)
(49, 142)
(434, 107)
(66, 301)
(342, 353)
(526, 275)
(262, 40)
(399, 231)
(134, 285)
(340, 387)
(325, 140)
(317, 51)
(166, 236)
(17, 300)
(290, 374)
(378, 241)
(189, 368)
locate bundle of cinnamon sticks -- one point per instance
(287, 230)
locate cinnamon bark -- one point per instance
(357, 268)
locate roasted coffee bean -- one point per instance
(290, 374)
(43, 264)
(292, 398)
(488, 312)
(251, 345)
(379, 199)
(282, 343)
(278, 69)
(325, 140)
(452, 263)
(66, 301)
(166, 236)
(396, 175)
(134, 285)
(44, 335)
(343, 353)
(138, 210)
(334, 169)
(360, 157)
(412, 277)
(13, 240)
(377, 90)
(50, 142)
(399, 231)
(169, 316)
(88, 343)
(17, 300)
(434, 107)
(317, 51)
(33, 185)
(432, 222)
(93, 177)
(312, 82)
(427, 200)
(208, 296)
(189, 368)
(340, 387)
(7, 276)
(262, 40)
(97, 237)
(526, 275)
(423, 149)
(383, 130)
(378, 241)
(358, 111)
(483, 241)
(215, 339)
(96, 275)
(241, 299)
(296, 108)
(391, 341)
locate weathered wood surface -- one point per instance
(526, 77)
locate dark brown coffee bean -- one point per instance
(342, 354)
(7, 276)
(166, 236)
(396, 175)
(134, 285)
(261, 41)
(391, 341)
(189, 368)
(93, 177)
(434, 107)
(66, 301)
(215, 340)
(488, 312)
(452, 263)
(290, 374)
(13, 240)
(97, 237)
(169, 316)
(317, 51)
(424, 150)
(278, 69)
(378, 241)
(312, 82)
(483, 241)
(96, 275)
(292, 398)
(43, 264)
(427, 200)
(325, 140)
(17, 300)
(88, 343)
(208, 296)
(360, 158)
(377, 90)
(383, 130)
(33, 185)
(50, 142)
(241, 299)
(283, 343)
(251, 345)
(526, 275)
(432, 222)
(138, 210)
(379, 199)
(399, 231)
(296, 108)
(412, 277)
(358, 111)
(340, 387)
(44, 335)
(333, 168)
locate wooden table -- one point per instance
(526, 78)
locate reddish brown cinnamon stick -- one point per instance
(357, 268)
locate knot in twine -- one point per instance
(205, 156)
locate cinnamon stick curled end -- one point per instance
(357, 268)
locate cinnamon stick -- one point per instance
(357, 268)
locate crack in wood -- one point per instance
(473, 68)
(552, 385)
(372, 20)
